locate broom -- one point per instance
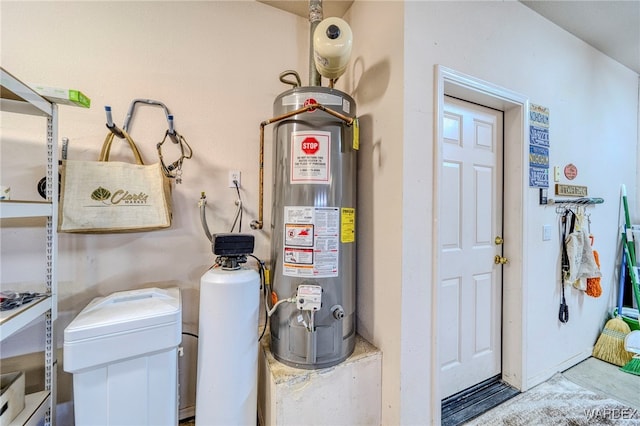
(632, 344)
(610, 344)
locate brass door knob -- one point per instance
(499, 260)
(499, 241)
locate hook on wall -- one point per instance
(174, 169)
(132, 107)
(111, 125)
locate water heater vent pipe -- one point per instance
(315, 16)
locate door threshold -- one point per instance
(471, 402)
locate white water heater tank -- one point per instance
(332, 40)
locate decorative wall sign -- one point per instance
(538, 146)
(571, 190)
(570, 171)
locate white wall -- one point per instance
(214, 64)
(376, 82)
(593, 111)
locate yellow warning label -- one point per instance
(348, 225)
(356, 134)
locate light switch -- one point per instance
(556, 174)
(546, 232)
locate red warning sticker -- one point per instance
(310, 157)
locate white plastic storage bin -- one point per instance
(11, 396)
(123, 352)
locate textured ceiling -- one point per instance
(301, 7)
(612, 27)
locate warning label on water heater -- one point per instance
(311, 241)
(310, 157)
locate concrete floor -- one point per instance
(594, 375)
(601, 377)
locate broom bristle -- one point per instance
(633, 366)
(610, 344)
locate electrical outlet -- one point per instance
(234, 175)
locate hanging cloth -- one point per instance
(581, 262)
(593, 283)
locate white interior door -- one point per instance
(470, 292)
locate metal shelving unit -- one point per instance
(17, 97)
(16, 209)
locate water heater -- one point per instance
(313, 243)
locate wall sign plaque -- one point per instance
(570, 171)
(571, 190)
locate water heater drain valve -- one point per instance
(309, 297)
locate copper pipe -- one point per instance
(258, 224)
(348, 120)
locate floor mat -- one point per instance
(556, 402)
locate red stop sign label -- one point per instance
(310, 145)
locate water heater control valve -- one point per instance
(309, 297)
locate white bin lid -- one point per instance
(125, 311)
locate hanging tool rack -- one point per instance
(566, 208)
(172, 170)
(563, 205)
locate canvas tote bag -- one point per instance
(110, 196)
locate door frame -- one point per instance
(515, 185)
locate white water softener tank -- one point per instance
(227, 382)
(313, 248)
(123, 352)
